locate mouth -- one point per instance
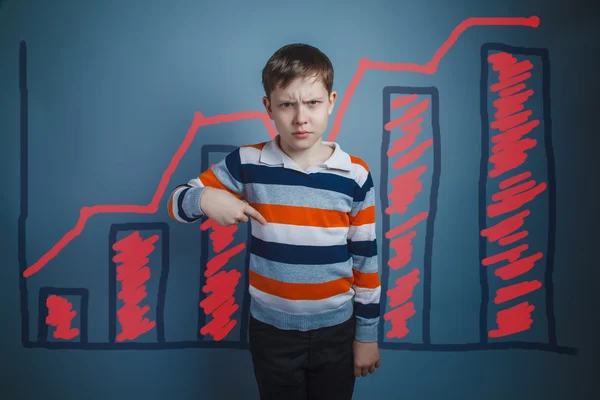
(300, 133)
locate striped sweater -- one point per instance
(315, 262)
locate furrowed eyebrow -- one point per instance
(311, 97)
(294, 101)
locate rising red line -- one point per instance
(199, 121)
(428, 68)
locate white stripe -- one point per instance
(361, 174)
(196, 182)
(367, 296)
(300, 306)
(361, 233)
(299, 235)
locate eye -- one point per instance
(285, 105)
(313, 102)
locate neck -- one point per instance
(308, 154)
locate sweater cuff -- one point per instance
(191, 202)
(366, 330)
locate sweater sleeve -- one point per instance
(362, 245)
(184, 200)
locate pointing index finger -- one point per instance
(255, 215)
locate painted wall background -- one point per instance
(112, 92)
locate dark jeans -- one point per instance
(296, 365)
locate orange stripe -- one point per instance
(368, 280)
(366, 216)
(170, 207)
(258, 146)
(304, 216)
(300, 291)
(356, 160)
(209, 178)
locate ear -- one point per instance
(332, 98)
(267, 104)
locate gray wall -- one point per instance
(112, 89)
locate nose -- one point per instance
(300, 117)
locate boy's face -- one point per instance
(300, 112)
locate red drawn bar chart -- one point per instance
(517, 196)
(224, 295)
(516, 251)
(410, 172)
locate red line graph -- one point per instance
(200, 120)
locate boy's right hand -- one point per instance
(225, 209)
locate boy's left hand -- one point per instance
(366, 358)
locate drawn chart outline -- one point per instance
(551, 181)
(385, 204)
(199, 121)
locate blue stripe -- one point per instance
(300, 273)
(366, 248)
(293, 254)
(366, 310)
(361, 193)
(234, 164)
(364, 264)
(282, 176)
(180, 212)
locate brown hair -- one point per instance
(296, 60)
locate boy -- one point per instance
(314, 284)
